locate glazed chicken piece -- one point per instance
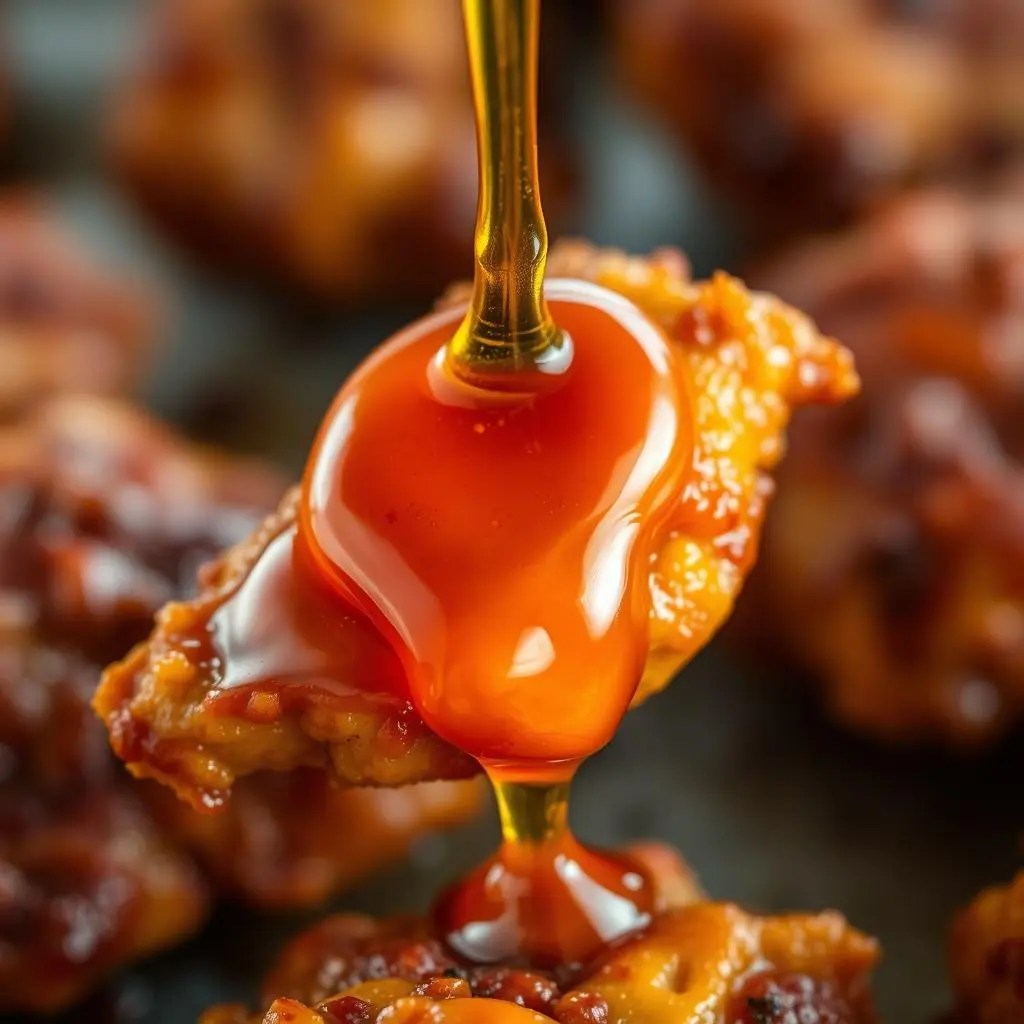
(985, 957)
(698, 963)
(806, 114)
(328, 145)
(174, 708)
(104, 516)
(65, 324)
(897, 530)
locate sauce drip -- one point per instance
(501, 541)
(489, 493)
(543, 899)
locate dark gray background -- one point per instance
(773, 806)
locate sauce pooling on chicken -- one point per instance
(490, 493)
(502, 541)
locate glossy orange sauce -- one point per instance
(463, 1011)
(546, 900)
(492, 515)
(501, 542)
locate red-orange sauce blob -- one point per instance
(503, 541)
(548, 902)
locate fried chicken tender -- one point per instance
(104, 515)
(806, 114)
(328, 145)
(751, 360)
(897, 531)
(697, 963)
(987, 957)
(65, 324)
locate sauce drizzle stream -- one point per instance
(488, 491)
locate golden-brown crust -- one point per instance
(65, 324)
(103, 516)
(327, 145)
(986, 956)
(751, 359)
(698, 963)
(346, 950)
(896, 530)
(808, 113)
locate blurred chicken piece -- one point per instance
(986, 946)
(893, 566)
(806, 114)
(65, 325)
(326, 144)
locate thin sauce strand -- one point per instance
(508, 334)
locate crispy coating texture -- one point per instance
(327, 145)
(65, 324)
(697, 963)
(897, 527)
(808, 113)
(169, 721)
(104, 516)
(751, 360)
(986, 957)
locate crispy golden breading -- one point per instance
(897, 528)
(104, 516)
(697, 963)
(751, 360)
(807, 113)
(987, 957)
(329, 145)
(65, 324)
(168, 719)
